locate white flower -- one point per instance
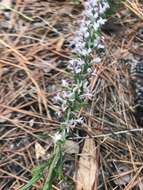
(78, 70)
(65, 95)
(106, 4)
(83, 47)
(87, 34)
(96, 26)
(65, 83)
(88, 13)
(101, 21)
(72, 63)
(96, 15)
(97, 60)
(85, 52)
(59, 114)
(57, 98)
(89, 70)
(83, 28)
(74, 122)
(101, 46)
(90, 3)
(57, 137)
(75, 65)
(80, 120)
(103, 6)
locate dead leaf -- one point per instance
(88, 170)
(71, 147)
(39, 151)
(60, 43)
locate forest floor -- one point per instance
(34, 53)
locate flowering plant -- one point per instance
(87, 45)
(88, 49)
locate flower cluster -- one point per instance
(88, 37)
(87, 41)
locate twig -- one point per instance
(127, 132)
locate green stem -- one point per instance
(55, 164)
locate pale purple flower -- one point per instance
(78, 70)
(90, 4)
(75, 65)
(103, 7)
(65, 95)
(65, 83)
(59, 114)
(57, 98)
(87, 34)
(96, 25)
(92, 18)
(96, 15)
(86, 41)
(86, 51)
(57, 137)
(97, 60)
(101, 46)
(74, 122)
(101, 21)
(89, 70)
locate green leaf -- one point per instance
(31, 182)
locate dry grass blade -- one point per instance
(135, 7)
